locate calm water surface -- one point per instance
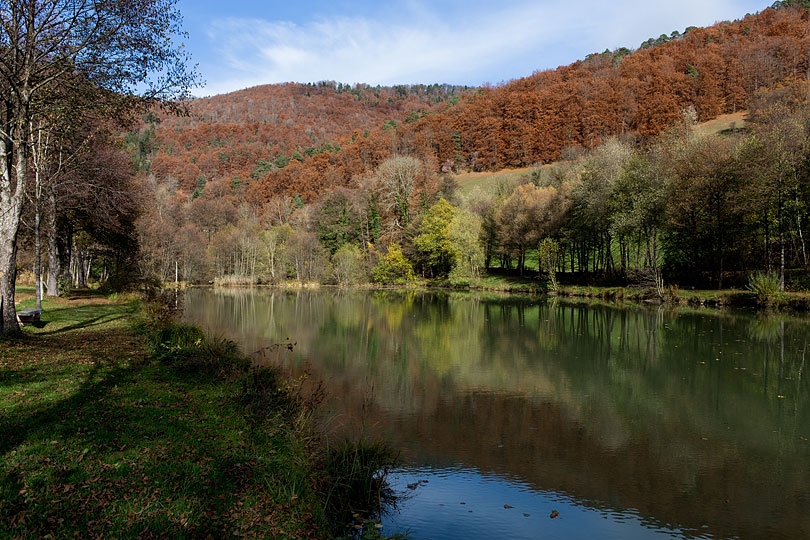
(632, 423)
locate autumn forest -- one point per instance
(330, 182)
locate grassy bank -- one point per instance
(495, 282)
(512, 284)
(106, 433)
(504, 282)
(788, 301)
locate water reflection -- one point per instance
(694, 422)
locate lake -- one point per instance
(630, 422)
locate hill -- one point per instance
(226, 195)
(282, 140)
(244, 135)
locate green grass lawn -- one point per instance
(97, 440)
(525, 284)
(488, 181)
(724, 123)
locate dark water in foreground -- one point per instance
(630, 422)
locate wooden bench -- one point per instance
(28, 316)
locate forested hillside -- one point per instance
(247, 135)
(294, 139)
(329, 182)
(343, 183)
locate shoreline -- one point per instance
(710, 298)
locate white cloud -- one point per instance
(421, 44)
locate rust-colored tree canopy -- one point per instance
(303, 139)
(288, 138)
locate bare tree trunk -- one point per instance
(781, 261)
(10, 208)
(768, 242)
(38, 248)
(59, 253)
(39, 151)
(801, 237)
(65, 241)
(80, 268)
(54, 266)
(8, 272)
(781, 242)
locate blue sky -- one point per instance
(242, 43)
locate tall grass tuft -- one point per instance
(187, 349)
(765, 285)
(356, 474)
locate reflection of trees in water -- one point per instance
(787, 351)
(603, 402)
(619, 358)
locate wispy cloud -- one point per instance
(423, 44)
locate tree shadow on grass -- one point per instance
(13, 431)
(129, 454)
(30, 375)
(84, 317)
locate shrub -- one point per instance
(347, 265)
(394, 268)
(765, 285)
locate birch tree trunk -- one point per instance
(9, 225)
(54, 265)
(38, 249)
(10, 211)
